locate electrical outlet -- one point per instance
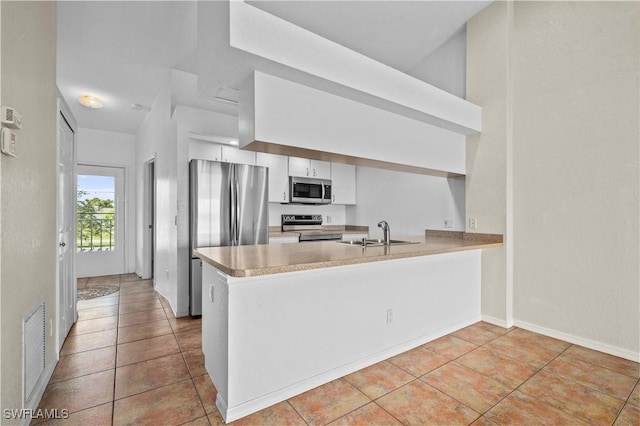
(473, 223)
(328, 219)
(389, 316)
(167, 274)
(448, 223)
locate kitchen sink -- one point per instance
(372, 242)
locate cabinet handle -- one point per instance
(314, 172)
(284, 196)
(307, 171)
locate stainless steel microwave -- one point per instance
(309, 190)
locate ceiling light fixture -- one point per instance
(90, 101)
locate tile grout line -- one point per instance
(626, 401)
(296, 410)
(115, 366)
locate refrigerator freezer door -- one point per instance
(210, 194)
(252, 207)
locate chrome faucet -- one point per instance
(386, 231)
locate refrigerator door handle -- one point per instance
(234, 208)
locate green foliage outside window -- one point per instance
(96, 224)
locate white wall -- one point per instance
(558, 166)
(577, 170)
(445, 67)
(28, 196)
(295, 116)
(156, 138)
(487, 194)
(102, 148)
(410, 203)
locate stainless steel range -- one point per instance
(309, 226)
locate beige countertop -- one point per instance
(267, 259)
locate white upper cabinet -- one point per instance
(309, 168)
(232, 154)
(278, 176)
(321, 169)
(343, 183)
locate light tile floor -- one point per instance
(128, 360)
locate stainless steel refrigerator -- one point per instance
(228, 207)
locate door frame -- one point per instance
(122, 201)
(149, 223)
(64, 113)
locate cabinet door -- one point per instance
(320, 169)
(205, 151)
(343, 183)
(299, 166)
(278, 176)
(231, 154)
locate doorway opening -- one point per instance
(100, 221)
(149, 220)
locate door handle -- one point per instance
(62, 244)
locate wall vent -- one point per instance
(34, 335)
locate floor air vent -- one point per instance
(34, 334)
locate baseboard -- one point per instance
(41, 386)
(233, 413)
(581, 341)
(495, 321)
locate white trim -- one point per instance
(120, 173)
(495, 321)
(239, 411)
(581, 341)
(41, 386)
(64, 109)
(147, 238)
(65, 117)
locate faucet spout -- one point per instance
(386, 231)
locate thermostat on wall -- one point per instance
(8, 142)
(11, 117)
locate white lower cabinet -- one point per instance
(343, 183)
(377, 310)
(278, 176)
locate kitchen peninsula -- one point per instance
(281, 319)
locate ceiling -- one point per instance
(123, 51)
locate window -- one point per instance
(96, 213)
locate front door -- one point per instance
(100, 221)
(66, 199)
